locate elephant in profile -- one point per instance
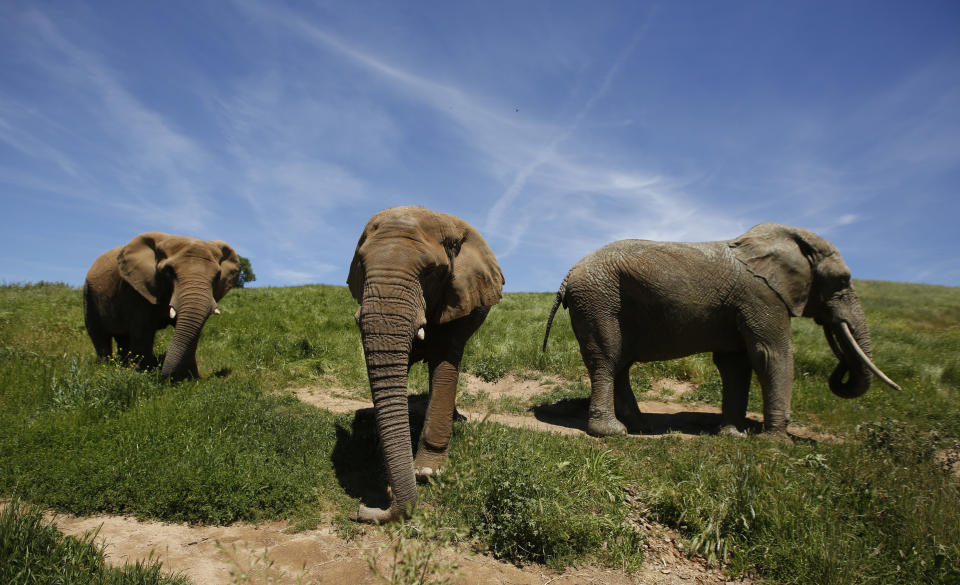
(638, 300)
(154, 281)
(425, 282)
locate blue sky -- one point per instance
(552, 127)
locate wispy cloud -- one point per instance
(546, 154)
(531, 158)
(156, 167)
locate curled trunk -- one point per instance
(852, 376)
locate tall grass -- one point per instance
(33, 552)
(874, 506)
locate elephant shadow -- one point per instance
(572, 413)
(357, 456)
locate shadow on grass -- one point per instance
(572, 413)
(357, 457)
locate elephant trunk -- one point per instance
(391, 313)
(860, 377)
(192, 307)
(849, 338)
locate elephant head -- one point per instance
(187, 274)
(413, 269)
(812, 280)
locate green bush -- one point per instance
(550, 500)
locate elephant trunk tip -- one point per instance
(854, 387)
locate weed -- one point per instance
(414, 554)
(488, 368)
(249, 567)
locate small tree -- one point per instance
(246, 273)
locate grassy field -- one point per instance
(875, 506)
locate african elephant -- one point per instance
(638, 300)
(425, 282)
(154, 281)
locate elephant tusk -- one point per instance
(173, 313)
(421, 334)
(216, 311)
(873, 368)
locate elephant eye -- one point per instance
(453, 246)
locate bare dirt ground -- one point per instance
(268, 553)
(568, 416)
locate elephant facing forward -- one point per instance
(425, 282)
(154, 281)
(638, 300)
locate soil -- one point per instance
(267, 553)
(270, 553)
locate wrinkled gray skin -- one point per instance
(639, 301)
(154, 281)
(425, 282)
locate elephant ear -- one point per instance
(783, 257)
(138, 264)
(229, 268)
(476, 279)
(355, 277)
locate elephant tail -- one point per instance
(556, 305)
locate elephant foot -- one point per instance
(732, 431)
(428, 464)
(378, 515)
(423, 474)
(605, 427)
(778, 434)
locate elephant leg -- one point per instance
(102, 341)
(140, 350)
(735, 372)
(438, 426)
(600, 349)
(444, 350)
(625, 403)
(602, 419)
(774, 369)
(123, 350)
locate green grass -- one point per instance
(34, 552)
(874, 507)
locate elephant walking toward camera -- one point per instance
(425, 282)
(638, 300)
(154, 281)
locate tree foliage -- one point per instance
(246, 272)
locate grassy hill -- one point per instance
(877, 505)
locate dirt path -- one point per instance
(567, 417)
(218, 555)
(241, 553)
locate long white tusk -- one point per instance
(873, 368)
(421, 334)
(173, 313)
(216, 311)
